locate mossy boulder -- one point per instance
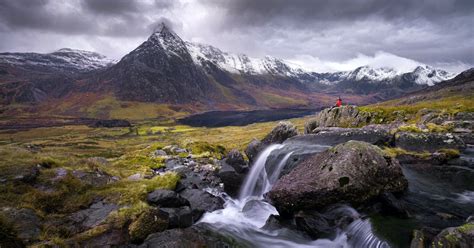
(152, 220)
(205, 149)
(462, 236)
(352, 172)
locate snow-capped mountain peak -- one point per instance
(373, 74)
(65, 59)
(428, 75)
(165, 38)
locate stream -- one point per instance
(244, 218)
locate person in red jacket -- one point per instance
(339, 102)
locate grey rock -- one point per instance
(166, 198)
(95, 178)
(430, 142)
(179, 217)
(351, 172)
(235, 159)
(94, 215)
(253, 148)
(280, 133)
(26, 223)
(345, 116)
(232, 179)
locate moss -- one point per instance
(150, 221)
(434, 128)
(450, 153)
(69, 195)
(202, 147)
(8, 236)
(410, 128)
(396, 151)
(466, 228)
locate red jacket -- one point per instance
(339, 103)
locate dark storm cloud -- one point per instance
(318, 31)
(264, 11)
(87, 17)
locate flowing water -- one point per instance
(244, 218)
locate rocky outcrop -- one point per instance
(430, 142)
(353, 172)
(280, 133)
(374, 134)
(345, 116)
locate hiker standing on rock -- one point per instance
(338, 102)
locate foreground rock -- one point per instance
(353, 172)
(193, 237)
(345, 116)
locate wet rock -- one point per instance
(231, 179)
(392, 205)
(202, 202)
(461, 236)
(280, 133)
(253, 148)
(352, 172)
(193, 237)
(179, 217)
(430, 142)
(93, 216)
(236, 160)
(345, 116)
(313, 223)
(111, 123)
(166, 199)
(151, 221)
(25, 222)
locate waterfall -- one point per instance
(245, 217)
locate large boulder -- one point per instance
(235, 159)
(280, 133)
(345, 116)
(353, 172)
(231, 178)
(429, 142)
(179, 217)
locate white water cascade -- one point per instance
(245, 217)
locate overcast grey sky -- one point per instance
(324, 35)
